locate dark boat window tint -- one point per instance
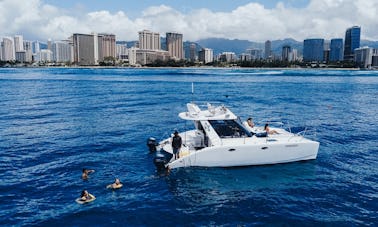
(229, 129)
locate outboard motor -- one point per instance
(161, 159)
(151, 143)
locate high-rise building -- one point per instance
(132, 53)
(45, 55)
(244, 57)
(49, 44)
(363, 56)
(21, 56)
(87, 49)
(192, 52)
(108, 45)
(206, 55)
(294, 55)
(122, 52)
(28, 51)
(61, 51)
(36, 47)
(268, 49)
(286, 52)
(227, 57)
(175, 45)
(313, 50)
(9, 53)
(255, 54)
(18, 43)
(336, 50)
(374, 59)
(149, 40)
(352, 41)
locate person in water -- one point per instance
(176, 144)
(85, 173)
(268, 131)
(85, 196)
(117, 184)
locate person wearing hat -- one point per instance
(176, 144)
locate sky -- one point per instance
(254, 20)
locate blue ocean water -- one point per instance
(54, 122)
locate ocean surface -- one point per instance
(54, 122)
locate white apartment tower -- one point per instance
(363, 56)
(18, 43)
(205, 55)
(121, 50)
(61, 51)
(149, 40)
(9, 53)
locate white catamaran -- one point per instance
(220, 140)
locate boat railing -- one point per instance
(307, 132)
(272, 122)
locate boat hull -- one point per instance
(247, 154)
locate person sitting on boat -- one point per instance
(176, 144)
(116, 185)
(85, 196)
(268, 131)
(85, 173)
(250, 122)
(249, 125)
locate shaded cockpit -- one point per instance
(229, 129)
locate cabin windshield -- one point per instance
(229, 129)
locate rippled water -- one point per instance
(54, 122)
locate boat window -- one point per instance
(198, 125)
(229, 129)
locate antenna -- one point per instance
(192, 91)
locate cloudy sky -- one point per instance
(255, 20)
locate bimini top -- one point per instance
(212, 113)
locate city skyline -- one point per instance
(44, 19)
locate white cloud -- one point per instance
(321, 18)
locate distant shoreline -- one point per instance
(204, 67)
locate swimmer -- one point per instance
(116, 185)
(85, 197)
(85, 173)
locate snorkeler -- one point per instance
(85, 173)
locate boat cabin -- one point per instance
(212, 125)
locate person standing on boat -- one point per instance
(176, 144)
